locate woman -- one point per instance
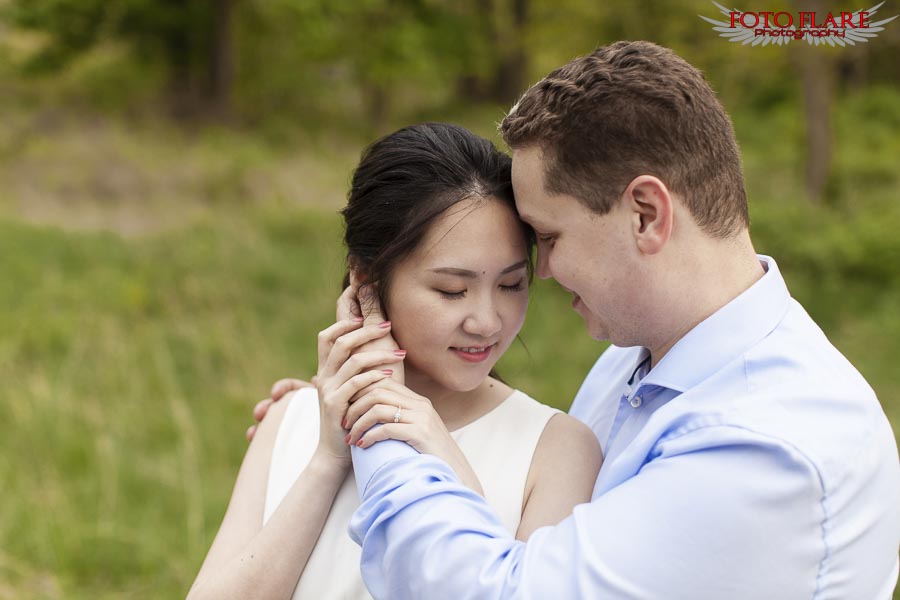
(433, 236)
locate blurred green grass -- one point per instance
(132, 356)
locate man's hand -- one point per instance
(281, 387)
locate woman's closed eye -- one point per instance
(451, 295)
(518, 286)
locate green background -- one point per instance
(170, 245)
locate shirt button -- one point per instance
(636, 402)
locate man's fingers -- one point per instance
(261, 408)
(283, 386)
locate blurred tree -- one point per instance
(369, 56)
(192, 38)
(363, 63)
(498, 57)
(816, 81)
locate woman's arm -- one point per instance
(247, 560)
(562, 474)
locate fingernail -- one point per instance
(359, 443)
(357, 319)
(347, 439)
(388, 372)
(384, 324)
(399, 352)
(344, 423)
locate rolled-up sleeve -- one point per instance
(718, 515)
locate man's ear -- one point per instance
(652, 213)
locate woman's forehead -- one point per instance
(479, 232)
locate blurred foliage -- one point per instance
(158, 273)
(364, 61)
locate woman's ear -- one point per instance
(358, 274)
(365, 290)
(357, 278)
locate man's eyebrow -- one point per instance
(525, 217)
(530, 220)
(473, 275)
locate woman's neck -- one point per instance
(457, 408)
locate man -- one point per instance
(744, 456)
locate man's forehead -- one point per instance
(528, 160)
(528, 182)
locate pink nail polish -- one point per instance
(384, 324)
(388, 372)
(359, 443)
(400, 353)
(347, 439)
(357, 319)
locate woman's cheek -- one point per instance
(424, 323)
(518, 307)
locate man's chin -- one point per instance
(594, 329)
(598, 334)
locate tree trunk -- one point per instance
(221, 59)
(181, 87)
(512, 72)
(473, 86)
(377, 106)
(817, 81)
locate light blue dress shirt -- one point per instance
(753, 461)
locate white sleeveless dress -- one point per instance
(499, 446)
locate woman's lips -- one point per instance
(473, 354)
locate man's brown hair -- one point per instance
(630, 109)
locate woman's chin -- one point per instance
(470, 381)
(462, 382)
(456, 378)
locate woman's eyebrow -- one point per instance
(472, 274)
(514, 267)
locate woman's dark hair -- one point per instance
(405, 181)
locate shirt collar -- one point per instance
(725, 334)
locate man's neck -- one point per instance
(723, 276)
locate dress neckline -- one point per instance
(488, 413)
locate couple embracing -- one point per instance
(742, 455)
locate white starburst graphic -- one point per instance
(828, 34)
